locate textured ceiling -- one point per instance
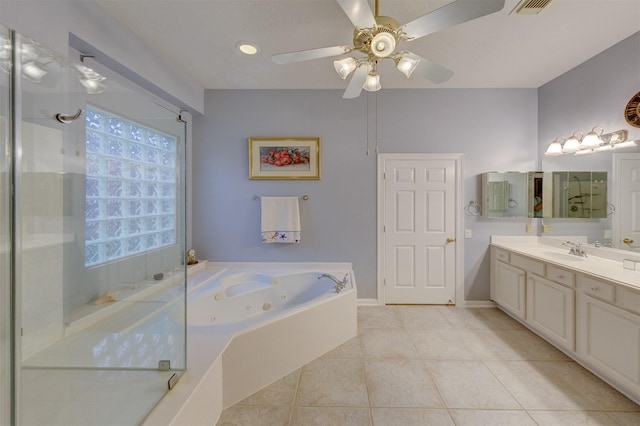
(198, 38)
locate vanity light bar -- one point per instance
(604, 142)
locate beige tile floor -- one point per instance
(437, 365)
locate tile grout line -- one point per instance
(366, 381)
(295, 397)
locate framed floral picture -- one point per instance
(284, 158)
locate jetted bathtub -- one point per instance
(250, 324)
(239, 298)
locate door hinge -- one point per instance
(384, 175)
(173, 380)
(384, 228)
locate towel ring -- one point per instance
(473, 208)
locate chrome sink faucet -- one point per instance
(340, 285)
(576, 248)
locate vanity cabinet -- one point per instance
(510, 289)
(608, 331)
(542, 295)
(593, 320)
(551, 310)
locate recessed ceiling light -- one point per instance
(247, 48)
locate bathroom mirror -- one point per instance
(575, 194)
(504, 194)
(602, 230)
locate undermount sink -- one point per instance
(563, 256)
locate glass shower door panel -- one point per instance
(6, 345)
(131, 273)
(105, 194)
(40, 195)
(101, 207)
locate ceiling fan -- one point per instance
(377, 37)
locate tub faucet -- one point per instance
(340, 285)
(576, 248)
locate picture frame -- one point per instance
(297, 158)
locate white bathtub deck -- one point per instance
(222, 369)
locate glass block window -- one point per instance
(130, 188)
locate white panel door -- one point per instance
(419, 230)
(627, 234)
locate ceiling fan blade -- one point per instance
(452, 14)
(305, 55)
(430, 70)
(357, 81)
(359, 12)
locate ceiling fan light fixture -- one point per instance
(345, 66)
(407, 65)
(372, 83)
(383, 45)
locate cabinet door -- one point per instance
(551, 310)
(609, 339)
(510, 289)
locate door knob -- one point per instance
(627, 241)
(451, 240)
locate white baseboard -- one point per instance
(463, 304)
(476, 304)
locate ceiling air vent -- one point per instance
(530, 7)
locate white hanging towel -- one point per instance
(280, 219)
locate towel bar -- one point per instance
(257, 197)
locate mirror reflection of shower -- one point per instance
(576, 199)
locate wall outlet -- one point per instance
(468, 233)
(546, 228)
(529, 228)
(607, 234)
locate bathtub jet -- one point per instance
(340, 285)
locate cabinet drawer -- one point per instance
(598, 289)
(561, 276)
(629, 299)
(502, 255)
(527, 264)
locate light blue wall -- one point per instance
(494, 129)
(592, 94)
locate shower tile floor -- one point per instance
(437, 365)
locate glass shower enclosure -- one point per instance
(93, 241)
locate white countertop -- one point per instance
(604, 263)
